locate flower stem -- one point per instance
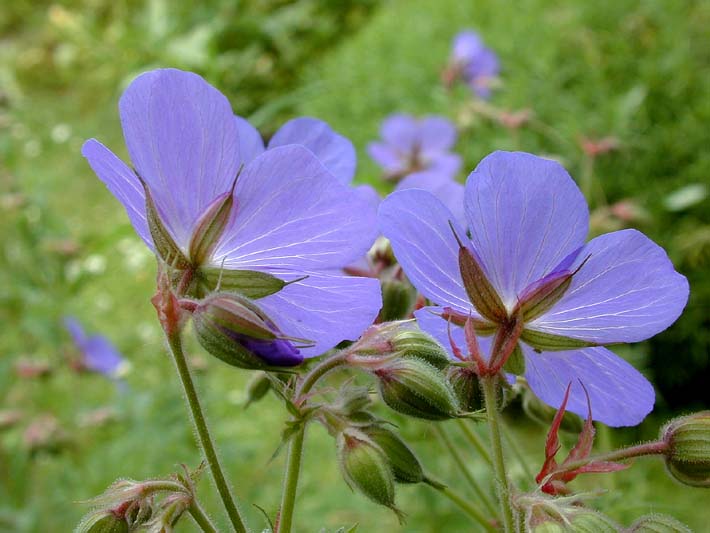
(631, 452)
(295, 449)
(175, 343)
(490, 393)
(201, 519)
(471, 510)
(474, 440)
(461, 464)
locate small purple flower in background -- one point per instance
(545, 292)
(473, 63)
(412, 145)
(290, 219)
(97, 353)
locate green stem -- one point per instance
(631, 452)
(471, 510)
(193, 400)
(295, 449)
(461, 464)
(201, 519)
(474, 440)
(490, 393)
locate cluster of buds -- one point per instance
(410, 367)
(154, 506)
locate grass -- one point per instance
(634, 71)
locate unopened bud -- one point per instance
(465, 384)
(688, 449)
(236, 331)
(102, 521)
(258, 386)
(366, 469)
(416, 343)
(398, 299)
(658, 523)
(416, 388)
(405, 465)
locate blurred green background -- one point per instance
(637, 72)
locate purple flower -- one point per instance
(291, 217)
(542, 287)
(474, 63)
(98, 354)
(414, 145)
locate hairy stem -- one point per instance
(295, 449)
(490, 393)
(461, 464)
(193, 400)
(471, 510)
(201, 519)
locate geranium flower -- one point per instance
(473, 63)
(286, 223)
(538, 286)
(98, 354)
(412, 145)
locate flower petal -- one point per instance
(100, 355)
(466, 46)
(325, 308)
(626, 291)
(525, 215)
(417, 224)
(336, 152)
(183, 141)
(401, 132)
(122, 182)
(619, 394)
(251, 145)
(391, 161)
(292, 213)
(448, 191)
(445, 164)
(436, 135)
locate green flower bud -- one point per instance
(405, 465)
(398, 299)
(102, 521)
(416, 343)
(688, 449)
(658, 523)
(416, 388)
(233, 329)
(466, 387)
(366, 469)
(258, 386)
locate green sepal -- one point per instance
(404, 464)
(548, 342)
(164, 243)
(480, 291)
(249, 283)
(209, 227)
(516, 362)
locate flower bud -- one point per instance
(258, 386)
(405, 465)
(415, 388)
(366, 469)
(236, 331)
(466, 387)
(398, 299)
(102, 521)
(688, 452)
(592, 522)
(658, 523)
(416, 343)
